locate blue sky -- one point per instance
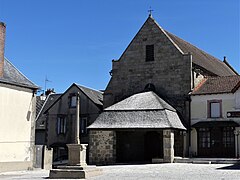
(75, 41)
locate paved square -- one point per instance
(175, 171)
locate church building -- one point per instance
(147, 100)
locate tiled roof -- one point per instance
(218, 85)
(203, 59)
(143, 110)
(11, 75)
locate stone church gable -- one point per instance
(132, 73)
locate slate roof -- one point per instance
(143, 110)
(94, 95)
(39, 104)
(11, 75)
(218, 85)
(215, 124)
(141, 101)
(203, 59)
(40, 119)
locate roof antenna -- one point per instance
(46, 81)
(150, 11)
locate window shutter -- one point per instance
(149, 52)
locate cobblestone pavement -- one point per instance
(151, 171)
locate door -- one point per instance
(204, 143)
(216, 142)
(153, 145)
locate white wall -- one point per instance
(199, 112)
(16, 113)
(237, 99)
(199, 107)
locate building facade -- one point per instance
(215, 118)
(158, 61)
(61, 117)
(17, 115)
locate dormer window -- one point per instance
(149, 53)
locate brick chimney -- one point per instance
(2, 45)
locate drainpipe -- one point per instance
(189, 126)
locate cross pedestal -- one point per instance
(77, 167)
(77, 154)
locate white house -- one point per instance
(17, 114)
(215, 117)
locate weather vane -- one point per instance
(150, 11)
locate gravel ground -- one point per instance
(173, 171)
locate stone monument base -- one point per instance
(77, 167)
(74, 172)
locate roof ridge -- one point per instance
(88, 88)
(160, 99)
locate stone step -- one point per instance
(202, 162)
(75, 167)
(207, 160)
(69, 173)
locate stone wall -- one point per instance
(170, 72)
(102, 147)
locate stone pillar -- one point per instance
(77, 154)
(168, 143)
(48, 156)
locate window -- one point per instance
(204, 138)
(228, 137)
(149, 52)
(215, 109)
(73, 101)
(83, 125)
(61, 125)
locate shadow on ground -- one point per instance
(230, 167)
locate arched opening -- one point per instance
(149, 87)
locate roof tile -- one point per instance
(218, 85)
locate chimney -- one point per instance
(2, 45)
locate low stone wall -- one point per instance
(102, 147)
